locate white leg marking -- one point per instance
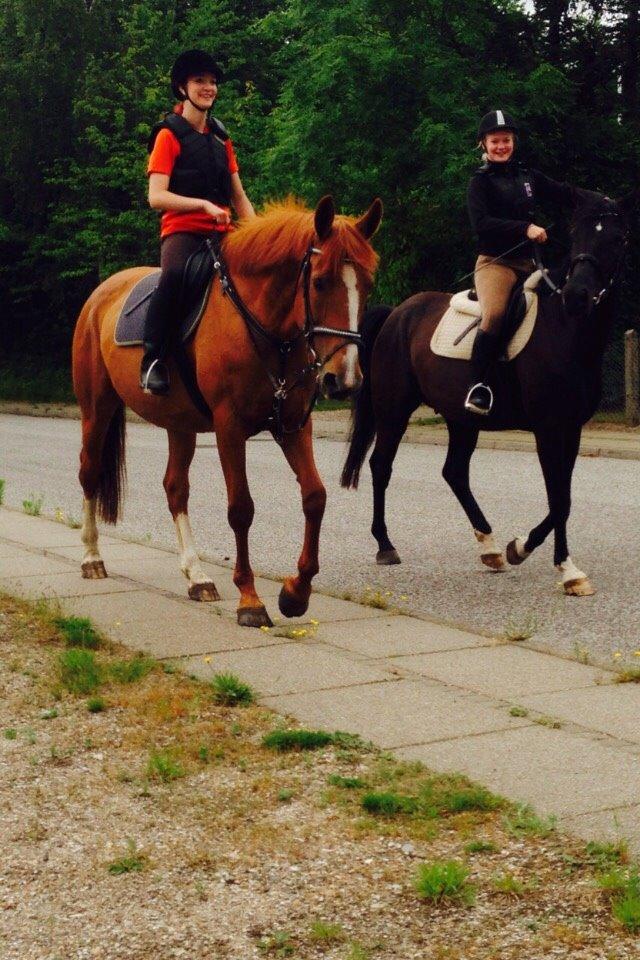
(570, 572)
(189, 560)
(520, 548)
(89, 533)
(487, 544)
(351, 352)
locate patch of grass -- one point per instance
(388, 804)
(79, 671)
(605, 855)
(78, 632)
(130, 671)
(426, 421)
(162, 765)
(445, 880)
(480, 846)
(133, 861)
(346, 783)
(286, 740)
(459, 799)
(550, 722)
(2, 482)
(523, 820)
(33, 506)
(230, 691)
(96, 705)
(626, 910)
(11, 733)
(508, 884)
(518, 712)
(581, 653)
(632, 675)
(278, 943)
(517, 629)
(358, 952)
(285, 795)
(322, 932)
(203, 753)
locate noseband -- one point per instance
(593, 262)
(307, 334)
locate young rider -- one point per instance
(194, 181)
(502, 196)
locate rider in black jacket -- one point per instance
(502, 196)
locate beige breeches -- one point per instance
(494, 284)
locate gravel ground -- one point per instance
(232, 868)
(440, 575)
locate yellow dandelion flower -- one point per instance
(265, 628)
(207, 659)
(403, 596)
(617, 655)
(636, 653)
(314, 622)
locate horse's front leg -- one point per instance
(298, 449)
(176, 484)
(575, 583)
(232, 449)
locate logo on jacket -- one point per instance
(528, 189)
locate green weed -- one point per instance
(445, 880)
(78, 632)
(230, 691)
(134, 860)
(480, 846)
(79, 671)
(523, 820)
(518, 712)
(50, 714)
(375, 598)
(162, 765)
(322, 932)
(130, 671)
(346, 783)
(508, 884)
(603, 855)
(278, 943)
(626, 910)
(388, 804)
(550, 722)
(632, 675)
(2, 482)
(10, 733)
(33, 507)
(520, 628)
(459, 799)
(285, 795)
(286, 740)
(96, 705)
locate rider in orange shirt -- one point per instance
(194, 181)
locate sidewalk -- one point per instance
(597, 441)
(426, 691)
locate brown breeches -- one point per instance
(494, 283)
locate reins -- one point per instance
(309, 330)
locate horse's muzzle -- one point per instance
(334, 387)
(577, 300)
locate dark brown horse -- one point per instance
(305, 276)
(551, 388)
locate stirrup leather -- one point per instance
(470, 405)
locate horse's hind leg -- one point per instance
(388, 437)
(462, 443)
(176, 484)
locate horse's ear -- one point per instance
(370, 221)
(323, 217)
(629, 202)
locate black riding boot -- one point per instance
(484, 354)
(154, 376)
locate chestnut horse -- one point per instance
(305, 276)
(551, 388)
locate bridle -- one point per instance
(282, 387)
(593, 261)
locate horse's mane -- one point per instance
(589, 203)
(284, 231)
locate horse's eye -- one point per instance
(320, 283)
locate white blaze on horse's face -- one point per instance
(350, 281)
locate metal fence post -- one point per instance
(632, 378)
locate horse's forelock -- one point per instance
(284, 231)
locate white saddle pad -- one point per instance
(463, 312)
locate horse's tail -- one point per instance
(363, 428)
(113, 471)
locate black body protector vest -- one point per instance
(202, 168)
(511, 192)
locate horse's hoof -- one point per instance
(290, 605)
(495, 561)
(513, 557)
(385, 558)
(94, 570)
(205, 592)
(579, 588)
(254, 617)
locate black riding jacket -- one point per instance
(502, 197)
(202, 167)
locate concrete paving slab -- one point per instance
(36, 531)
(613, 709)
(607, 826)
(163, 572)
(9, 549)
(398, 713)
(25, 564)
(291, 668)
(63, 584)
(397, 636)
(557, 771)
(117, 550)
(505, 671)
(322, 608)
(164, 627)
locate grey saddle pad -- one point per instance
(129, 330)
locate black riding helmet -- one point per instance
(190, 63)
(496, 121)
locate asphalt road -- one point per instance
(440, 576)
